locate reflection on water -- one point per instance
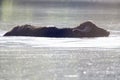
(10, 13)
(59, 13)
(7, 10)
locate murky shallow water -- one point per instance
(40, 58)
(60, 63)
(36, 58)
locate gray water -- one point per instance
(40, 58)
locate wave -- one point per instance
(2, 33)
(100, 42)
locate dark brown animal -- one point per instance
(86, 29)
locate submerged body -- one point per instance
(86, 29)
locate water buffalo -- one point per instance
(86, 29)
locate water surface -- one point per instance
(41, 58)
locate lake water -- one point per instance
(40, 58)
